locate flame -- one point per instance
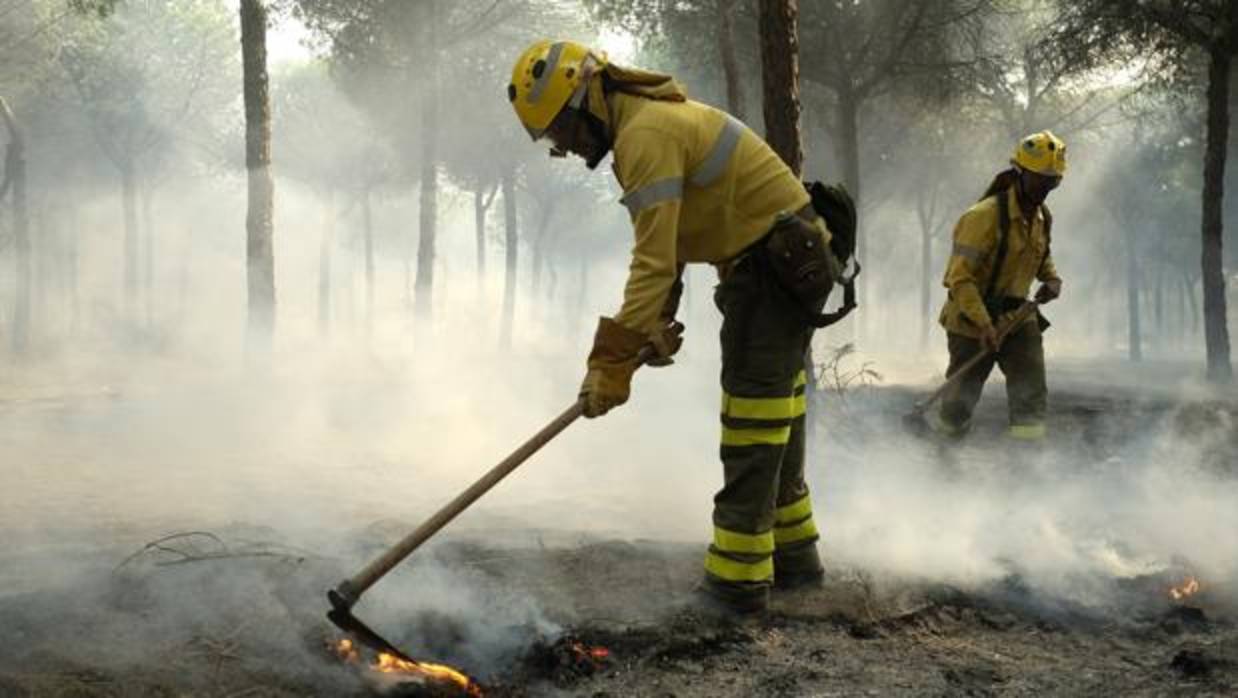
(1188, 587)
(596, 654)
(390, 664)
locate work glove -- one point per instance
(1048, 291)
(989, 339)
(667, 341)
(611, 364)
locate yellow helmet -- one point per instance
(1042, 153)
(546, 77)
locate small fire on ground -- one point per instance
(420, 672)
(1188, 587)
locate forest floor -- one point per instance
(236, 611)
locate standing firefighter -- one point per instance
(1001, 245)
(701, 187)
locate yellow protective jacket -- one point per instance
(971, 263)
(699, 187)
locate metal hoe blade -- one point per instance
(341, 615)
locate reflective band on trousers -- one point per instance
(770, 408)
(552, 62)
(715, 163)
(794, 512)
(793, 533)
(655, 193)
(799, 405)
(753, 544)
(801, 378)
(769, 436)
(1030, 432)
(729, 570)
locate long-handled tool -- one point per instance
(344, 596)
(916, 416)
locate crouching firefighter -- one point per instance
(701, 187)
(1001, 245)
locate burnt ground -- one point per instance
(237, 611)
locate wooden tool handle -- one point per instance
(1020, 315)
(357, 585)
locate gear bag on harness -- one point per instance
(808, 270)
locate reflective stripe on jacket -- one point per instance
(972, 258)
(699, 186)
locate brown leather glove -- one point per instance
(1048, 291)
(666, 341)
(611, 364)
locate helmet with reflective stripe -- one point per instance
(1042, 153)
(548, 76)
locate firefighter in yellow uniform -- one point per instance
(1001, 245)
(699, 186)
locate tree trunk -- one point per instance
(129, 207)
(367, 231)
(148, 252)
(15, 178)
(424, 287)
(479, 229)
(849, 144)
(1134, 338)
(1216, 334)
(259, 223)
(730, 64)
(324, 264)
(926, 281)
(780, 69)
(510, 245)
(423, 298)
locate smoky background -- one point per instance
(132, 406)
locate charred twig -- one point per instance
(193, 553)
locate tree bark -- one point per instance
(129, 208)
(259, 223)
(510, 244)
(1133, 283)
(15, 179)
(730, 64)
(479, 229)
(780, 80)
(925, 217)
(148, 252)
(324, 264)
(1216, 334)
(367, 231)
(424, 286)
(423, 292)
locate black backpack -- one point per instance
(833, 203)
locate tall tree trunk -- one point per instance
(424, 286)
(926, 279)
(1158, 310)
(259, 223)
(129, 207)
(730, 64)
(15, 179)
(780, 107)
(1216, 334)
(1133, 283)
(148, 252)
(510, 248)
(479, 229)
(324, 263)
(780, 69)
(423, 299)
(367, 230)
(849, 143)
